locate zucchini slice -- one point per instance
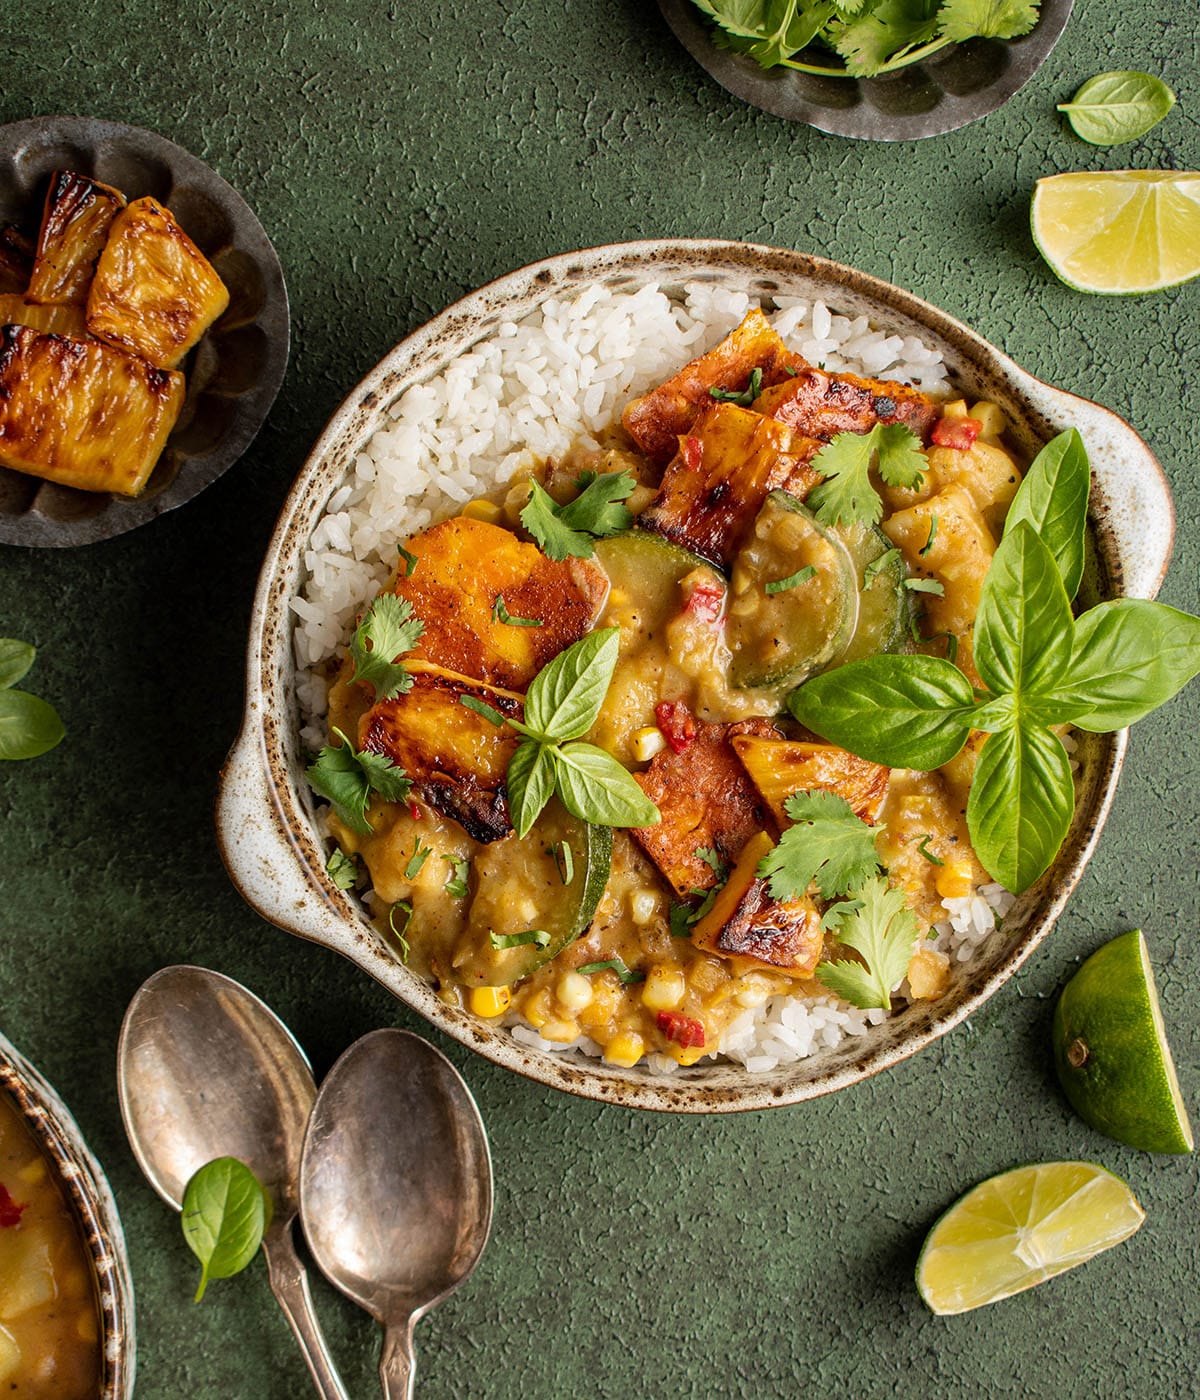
(647, 570)
(883, 601)
(780, 632)
(521, 887)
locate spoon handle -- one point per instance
(289, 1283)
(397, 1364)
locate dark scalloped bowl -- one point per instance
(233, 374)
(957, 86)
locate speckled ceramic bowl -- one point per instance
(956, 86)
(265, 812)
(88, 1194)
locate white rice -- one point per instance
(531, 390)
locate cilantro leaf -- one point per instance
(847, 495)
(342, 869)
(456, 885)
(770, 31)
(348, 778)
(828, 844)
(986, 19)
(884, 930)
(594, 514)
(390, 628)
(870, 41)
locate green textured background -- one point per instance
(400, 154)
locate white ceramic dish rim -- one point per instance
(95, 1209)
(265, 818)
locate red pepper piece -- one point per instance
(414, 810)
(959, 433)
(691, 449)
(705, 601)
(683, 1030)
(676, 722)
(10, 1211)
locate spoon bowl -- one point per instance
(395, 1186)
(205, 1070)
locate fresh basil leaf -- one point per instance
(1130, 656)
(29, 726)
(1053, 498)
(530, 783)
(15, 660)
(1115, 107)
(566, 694)
(904, 711)
(1023, 627)
(1021, 804)
(595, 788)
(226, 1212)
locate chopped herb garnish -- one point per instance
(406, 911)
(680, 918)
(594, 514)
(884, 931)
(456, 885)
(418, 858)
(847, 495)
(518, 940)
(928, 545)
(348, 778)
(925, 585)
(481, 707)
(342, 869)
(710, 898)
(781, 585)
(501, 614)
(614, 965)
(564, 860)
(829, 843)
(388, 629)
(410, 562)
(745, 397)
(876, 566)
(711, 858)
(923, 848)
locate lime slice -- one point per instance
(1111, 1051)
(1021, 1228)
(1119, 232)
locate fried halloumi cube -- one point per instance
(82, 413)
(76, 219)
(154, 292)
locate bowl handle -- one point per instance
(1131, 499)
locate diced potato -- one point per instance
(66, 319)
(987, 473)
(456, 757)
(16, 260)
(76, 219)
(462, 567)
(657, 420)
(821, 405)
(781, 767)
(27, 1268)
(717, 483)
(10, 1355)
(154, 292)
(749, 927)
(81, 413)
(706, 801)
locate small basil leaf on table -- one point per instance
(29, 726)
(15, 660)
(226, 1212)
(1023, 627)
(1021, 804)
(903, 711)
(566, 694)
(1053, 498)
(595, 788)
(1115, 107)
(530, 783)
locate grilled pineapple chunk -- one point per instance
(81, 413)
(724, 470)
(456, 757)
(66, 319)
(751, 929)
(657, 420)
(16, 259)
(822, 405)
(781, 767)
(75, 223)
(464, 569)
(154, 292)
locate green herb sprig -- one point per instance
(348, 778)
(877, 924)
(1040, 668)
(828, 843)
(387, 630)
(226, 1212)
(596, 513)
(29, 726)
(847, 495)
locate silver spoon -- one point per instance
(204, 1070)
(395, 1187)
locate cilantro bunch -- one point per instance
(868, 36)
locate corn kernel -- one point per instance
(574, 991)
(537, 1009)
(688, 1055)
(625, 1050)
(490, 1001)
(992, 417)
(559, 1030)
(663, 988)
(645, 743)
(33, 1173)
(751, 991)
(954, 880)
(487, 511)
(643, 906)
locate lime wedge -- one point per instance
(1021, 1228)
(1119, 232)
(1111, 1051)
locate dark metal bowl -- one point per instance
(958, 85)
(233, 374)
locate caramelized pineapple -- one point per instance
(780, 767)
(81, 413)
(75, 222)
(15, 310)
(16, 259)
(154, 292)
